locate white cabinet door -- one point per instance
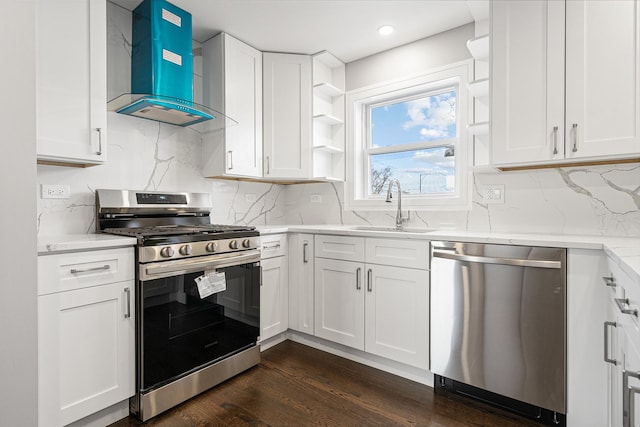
(232, 71)
(85, 351)
(287, 115)
(301, 262)
(603, 79)
(71, 81)
(339, 301)
(397, 314)
(527, 75)
(274, 298)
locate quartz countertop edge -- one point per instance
(625, 251)
(81, 242)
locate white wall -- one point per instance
(18, 319)
(411, 59)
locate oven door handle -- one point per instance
(178, 267)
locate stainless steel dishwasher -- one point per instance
(498, 325)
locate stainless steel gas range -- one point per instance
(197, 294)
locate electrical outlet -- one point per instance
(249, 197)
(316, 198)
(50, 191)
(493, 194)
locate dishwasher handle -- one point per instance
(502, 261)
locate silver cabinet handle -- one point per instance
(99, 152)
(358, 273)
(502, 261)
(621, 302)
(555, 140)
(305, 245)
(606, 343)
(274, 246)
(127, 291)
(369, 281)
(628, 407)
(267, 164)
(87, 270)
(610, 281)
(574, 127)
(229, 160)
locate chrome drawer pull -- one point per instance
(606, 343)
(87, 270)
(555, 140)
(99, 152)
(369, 281)
(628, 407)
(621, 302)
(358, 273)
(276, 246)
(610, 281)
(575, 137)
(128, 313)
(304, 253)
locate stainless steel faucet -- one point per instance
(399, 218)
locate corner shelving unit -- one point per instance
(479, 90)
(328, 117)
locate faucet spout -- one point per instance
(400, 220)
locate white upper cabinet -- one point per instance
(543, 114)
(71, 82)
(603, 79)
(287, 116)
(232, 73)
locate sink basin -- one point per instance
(392, 229)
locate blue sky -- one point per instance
(424, 119)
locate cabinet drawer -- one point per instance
(273, 245)
(340, 247)
(76, 270)
(396, 252)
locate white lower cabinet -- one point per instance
(274, 289)
(380, 309)
(622, 352)
(85, 335)
(301, 283)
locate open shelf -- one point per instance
(328, 119)
(479, 89)
(328, 149)
(327, 89)
(479, 48)
(479, 129)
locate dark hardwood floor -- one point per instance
(296, 385)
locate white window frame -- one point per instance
(357, 145)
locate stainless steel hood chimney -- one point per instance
(162, 68)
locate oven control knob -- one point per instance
(212, 247)
(246, 243)
(185, 250)
(233, 244)
(167, 252)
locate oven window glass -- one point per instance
(182, 332)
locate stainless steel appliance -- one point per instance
(197, 294)
(498, 325)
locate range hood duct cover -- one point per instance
(162, 68)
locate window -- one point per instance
(413, 131)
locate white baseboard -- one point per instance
(400, 369)
(104, 417)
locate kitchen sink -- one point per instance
(392, 229)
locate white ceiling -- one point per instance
(346, 28)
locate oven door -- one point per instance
(181, 329)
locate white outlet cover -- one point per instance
(55, 191)
(249, 197)
(493, 194)
(316, 198)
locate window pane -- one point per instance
(424, 119)
(429, 171)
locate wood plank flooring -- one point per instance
(296, 385)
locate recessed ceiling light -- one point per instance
(385, 30)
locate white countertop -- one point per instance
(625, 251)
(81, 242)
